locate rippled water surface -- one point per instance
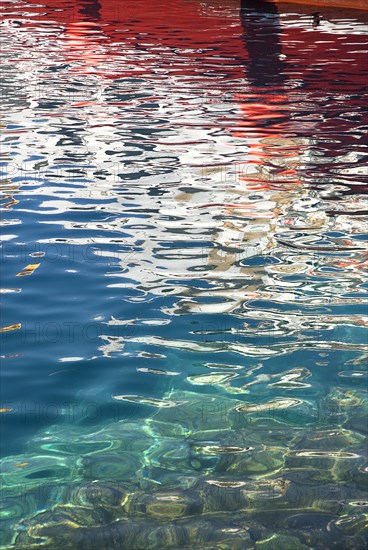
(183, 291)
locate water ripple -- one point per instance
(183, 199)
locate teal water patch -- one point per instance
(186, 462)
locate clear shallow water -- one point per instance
(184, 315)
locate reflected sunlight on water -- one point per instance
(183, 276)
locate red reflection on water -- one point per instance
(110, 39)
(190, 31)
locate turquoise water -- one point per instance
(183, 280)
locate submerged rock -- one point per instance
(280, 542)
(141, 534)
(170, 453)
(283, 411)
(337, 439)
(120, 467)
(199, 412)
(27, 471)
(164, 505)
(253, 463)
(355, 524)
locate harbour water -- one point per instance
(183, 331)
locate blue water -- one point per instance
(183, 278)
